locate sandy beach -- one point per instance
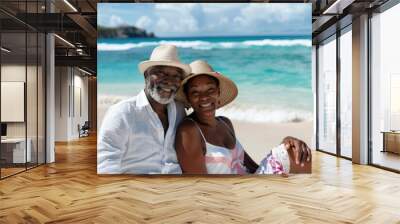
(258, 138)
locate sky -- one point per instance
(209, 19)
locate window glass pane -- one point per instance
(31, 97)
(22, 88)
(386, 89)
(14, 153)
(346, 94)
(327, 96)
(41, 98)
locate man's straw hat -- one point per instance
(166, 55)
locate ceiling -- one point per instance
(75, 43)
(76, 22)
(331, 15)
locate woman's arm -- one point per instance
(248, 161)
(189, 148)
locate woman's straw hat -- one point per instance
(228, 89)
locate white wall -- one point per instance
(70, 83)
(79, 117)
(62, 81)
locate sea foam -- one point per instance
(206, 45)
(239, 112)
(257, 114)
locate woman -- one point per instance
(206, 144)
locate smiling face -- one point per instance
(162, 82)
(202, 92)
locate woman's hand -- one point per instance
(302, 153)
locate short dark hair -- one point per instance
(186, 87)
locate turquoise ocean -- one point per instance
(273, 73)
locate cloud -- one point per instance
(176, 27)
(175, 6)
(274, 18)
(221, 8)
(116, 21)
(143, 22)
(162, 26)
(176, 19)
(214, 19)
(279, 13)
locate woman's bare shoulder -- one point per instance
(188, 137)
(187, 127)
(228, 122)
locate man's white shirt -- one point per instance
(131, 139)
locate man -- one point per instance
(138, 134)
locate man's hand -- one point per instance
(302, 153)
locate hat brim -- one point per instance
(228, 89)
(144, 65)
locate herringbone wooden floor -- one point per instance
(70, 191)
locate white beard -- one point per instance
(154, 94)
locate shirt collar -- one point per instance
(142, 100)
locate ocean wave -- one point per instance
(123, 47)
(278, 43)
(253, 114)
(206, 45)
(258, 114)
